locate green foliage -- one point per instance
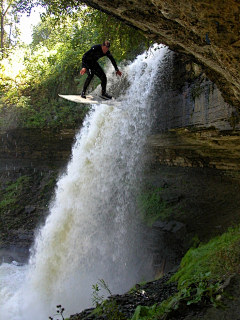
(6, 202)
(96, 297)
(31, 77)
(48, 186)
(10, 11)
(204, 291)
(152, 206)
(60, 8)
(142, 312)
(219, 257)
(200, 277)
(204, 268)
(195, 242)
(12, 191)
(108, 307)
(126, 41)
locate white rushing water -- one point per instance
(92, 231)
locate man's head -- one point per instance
(105, 46)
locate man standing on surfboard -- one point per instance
(91, 66)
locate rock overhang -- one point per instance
(209, 32)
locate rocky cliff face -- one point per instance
(194, 126)
(206, 31)
(194, 148)
(30, 163)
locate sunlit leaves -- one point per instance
(13, 74)
(10, 11)
(32, 76)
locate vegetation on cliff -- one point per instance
(24, 199)
(203, 275)
(152, 206)
(203, 280)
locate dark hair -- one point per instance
(106, 44)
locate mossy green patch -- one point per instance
(18, 194)
(48, 186)
(216, 259)
(13, 190)
(153, 206)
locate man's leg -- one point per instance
(98, 71)
(87, 82)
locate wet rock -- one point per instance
(29, 209)
(144, 295)
(171, 226)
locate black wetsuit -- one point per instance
(89, 61)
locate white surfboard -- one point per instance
(89, 99)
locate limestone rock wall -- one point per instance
(194, 152)
(194, 126)
(30, 162)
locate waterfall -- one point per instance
(93, 230)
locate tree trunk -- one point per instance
(2, 25)
(3, 14)
(2, 32)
